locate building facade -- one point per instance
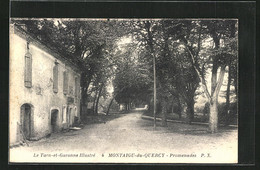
(44, 89)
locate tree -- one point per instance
(145, 31)
(175, 70)
(232, 67)
(157, 39)
(130, 82)
(170, 58)
(148, 34)
(219, 57)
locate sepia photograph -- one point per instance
(114, 90)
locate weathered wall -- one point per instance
(41, 95)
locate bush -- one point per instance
(224, 118)
(206, 109)
(229, 117)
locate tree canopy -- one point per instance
(184, 53)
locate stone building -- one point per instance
(44, 89)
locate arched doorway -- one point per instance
(26, 122)
(54, 120)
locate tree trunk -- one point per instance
(129, 106)
(213, 105)
(84, 83)
(94, 102)
(215, 88)
(236, 88)
(179, 107)
(125, 106)
(150, 107)
(110, 104)
(82, 104)
(98, 96)
(213, 116)
(190, 109)
(150, 43)
(235, 84)
(164, 112)
(214, 77)
(228, 97)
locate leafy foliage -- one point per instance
(184, 52)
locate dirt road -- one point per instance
(132, 134)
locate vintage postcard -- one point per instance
(123, 90)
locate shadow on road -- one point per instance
(95, 119)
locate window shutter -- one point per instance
(28, 70)
(55, 78)
(76, 87)
(65, 82)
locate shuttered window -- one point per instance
(65, 82)
(55, 77)
(28, 70)
(76, 87)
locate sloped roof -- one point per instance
(45, 46)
